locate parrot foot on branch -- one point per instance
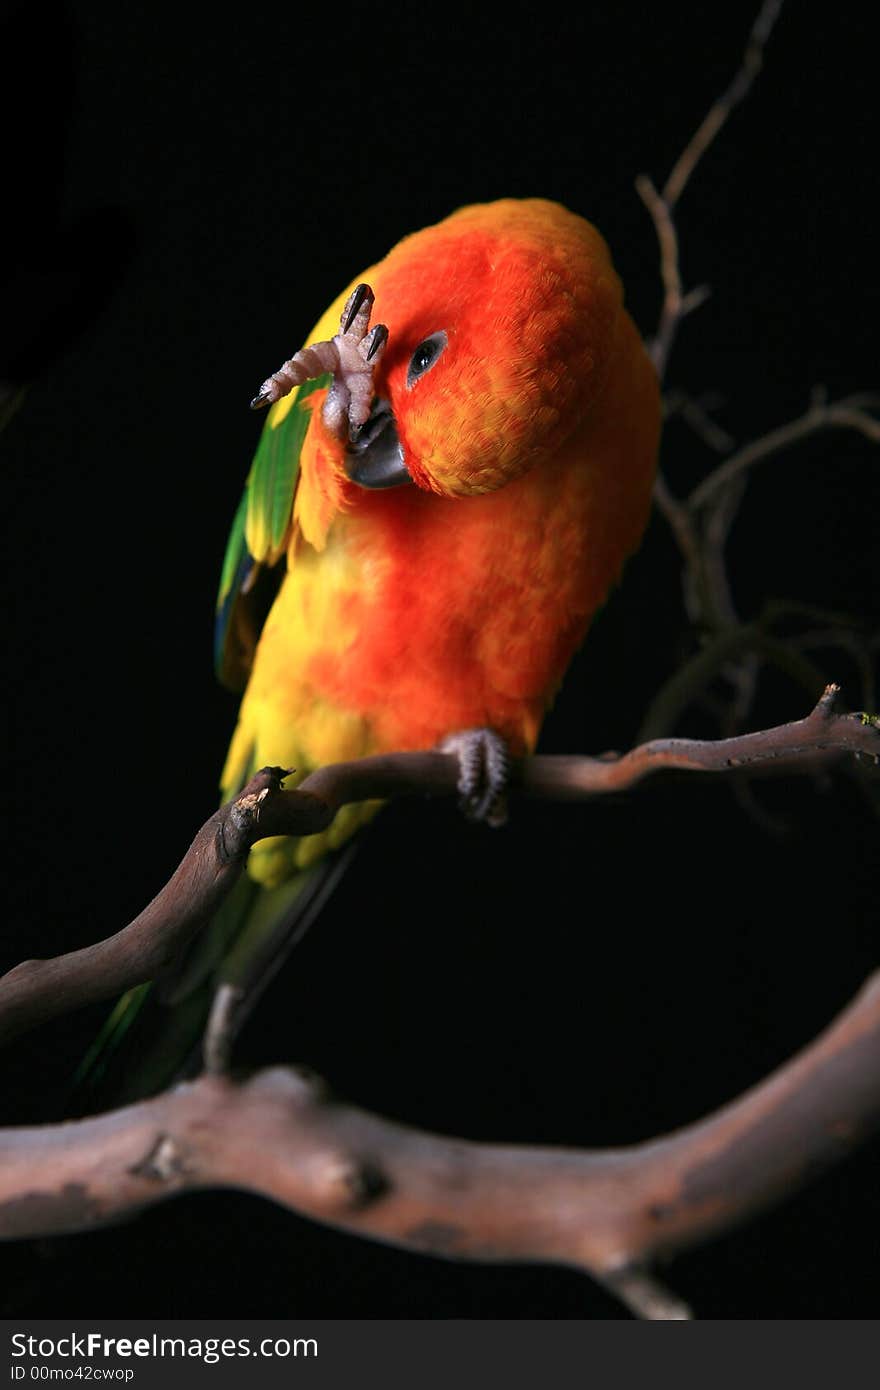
(352, 357)
(484, 769)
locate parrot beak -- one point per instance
(374, 459)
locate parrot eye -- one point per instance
(424, 357)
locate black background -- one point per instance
(188, 192)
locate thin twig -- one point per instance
(842, 415)
(701, 526)
(696, 413)
(724, 654)
(706, 589)
(671, 311)
(717, 115)
(661, 204)
(645, 1297)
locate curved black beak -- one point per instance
(374, 459)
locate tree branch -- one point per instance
(700, 523)
(609, 1212)
(676, 304)
(717, 115)
(38, 990)
(841, 415)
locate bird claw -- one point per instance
(373, 345)
(356, 313)
(484, 770)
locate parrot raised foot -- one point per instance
(351, 356)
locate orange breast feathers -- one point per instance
(458, 600)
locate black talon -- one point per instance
(358, 296)
(259, 401)
(379, 337)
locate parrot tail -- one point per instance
(154, 1034)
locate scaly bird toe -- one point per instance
(484, 772)
(351, 357)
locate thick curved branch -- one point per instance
(608, 1212)
(38, 990)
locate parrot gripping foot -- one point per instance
(484, 770)
(351, 357)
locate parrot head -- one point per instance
(501, 328)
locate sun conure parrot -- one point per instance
(438, 506)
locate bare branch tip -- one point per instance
(220, 1030)
(646, 1297)
(828, 702)
(270, 777)
(694, 298)
(645, 186)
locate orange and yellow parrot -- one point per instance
(437, 507)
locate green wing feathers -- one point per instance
(259, 538)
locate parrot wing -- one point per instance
(259, 537)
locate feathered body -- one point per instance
(412, 612)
